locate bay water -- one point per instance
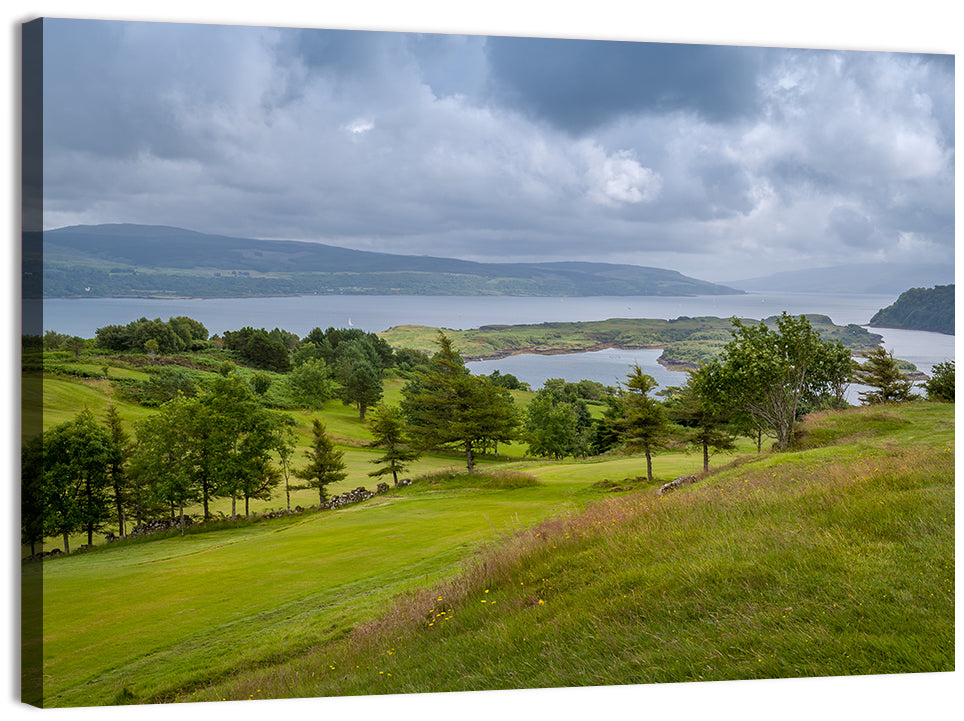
(300, 314)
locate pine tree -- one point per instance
(881, 373)
(706, 422)
(388, 428)
(325, 462)
(642, 424)
(447, 407)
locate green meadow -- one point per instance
(835, 558)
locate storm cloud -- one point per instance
(720, 162)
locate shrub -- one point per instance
(940, 386)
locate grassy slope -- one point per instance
(832, 560)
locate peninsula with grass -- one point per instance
(687, 342)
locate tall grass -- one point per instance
(823, 562)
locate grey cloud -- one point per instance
(578, 85)
(501, 148)
(851, 228)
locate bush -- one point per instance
(940, 386)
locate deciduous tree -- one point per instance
(311, 384)
(32, 492)
(940, 386)
(767, 372)
(362, 387)
(556, 423)
(75, 480)
(118, 455)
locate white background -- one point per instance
(924, 25)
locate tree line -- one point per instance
(222, 441)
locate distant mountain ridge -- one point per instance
(868, 278)
(159, 261)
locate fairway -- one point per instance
(163, 615)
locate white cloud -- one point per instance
(620, 178)
(360, 126)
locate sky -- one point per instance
(721, 162)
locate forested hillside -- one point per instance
(920, 309)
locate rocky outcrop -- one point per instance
(677, 482)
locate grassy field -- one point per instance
(834, 559)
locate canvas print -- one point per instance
(365, 363)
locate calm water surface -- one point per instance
(300, 314)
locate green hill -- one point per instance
(834, 559)
(160, 261)
(920, 309)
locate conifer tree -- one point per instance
(881, 373)
(940, 386)
(388, 428)
(447, 407)
(704, 420)
(642, 423)
(325, 464)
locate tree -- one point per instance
(311, 383)
(255, 476)
(166, 383)
(260, 383)
(284, 446)
(940, 386)
(220, 441)
(642, 423)
(448, 407)
(362, 387)
(190, 331)
(75, 480)
(325, 464)
(118, 455)
(388, 430)
(165, 462)
(241, 437)
(76, 345)
(768, 372)
(881, 373)
(556, 422)
(258, 346)
(694, 407)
